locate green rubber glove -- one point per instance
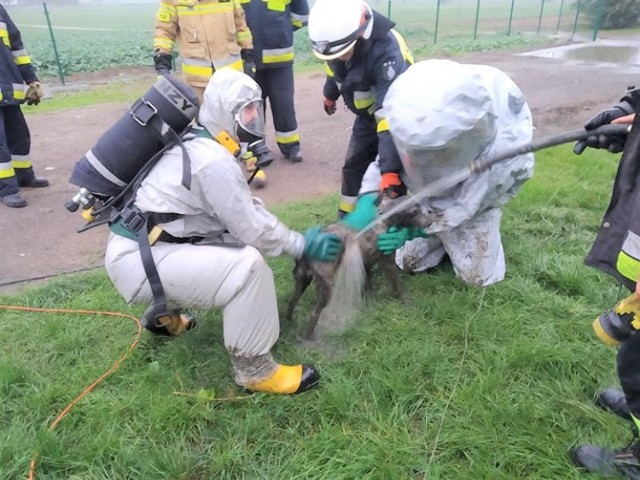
(395, 237)
(364, 213)
(321, 246)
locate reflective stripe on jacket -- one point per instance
(16, 70)
(209, 35)
(272, 23)
(616, 249)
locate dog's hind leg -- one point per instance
(303, 278)
(390, 272)
(323, 294)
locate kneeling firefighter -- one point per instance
(209, 239)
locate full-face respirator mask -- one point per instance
(249, 121)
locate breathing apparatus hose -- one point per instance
(481, 164)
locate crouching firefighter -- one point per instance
(207, 240)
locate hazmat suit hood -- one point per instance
(442, 124)
(227, 92)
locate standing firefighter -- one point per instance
(616, 251)
(272, 24)
(210, 35)
(364, 56)
(212, 237)
(18, 84)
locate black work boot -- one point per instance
(14, 200)
(34, 182)
(614, 401)
(294, 157)
(620, 463)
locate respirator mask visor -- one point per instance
(249, 121)
(250, 130)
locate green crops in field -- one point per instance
(92, 38)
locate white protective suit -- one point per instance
(204, 276)
(443, 115)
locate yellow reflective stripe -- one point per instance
(243, 36)
(234, 65)
(22, 60)
(288, 139)
(204, 9)
(287, 57)
(21, 163)
(628, 266)
(404, 48)
(6, 170)
(197, 70)
(327, 69)
(4, 34)
(163, 43)
(345, 206)
(297, 23)
(245, 1)
(361, 104)
(383, 125)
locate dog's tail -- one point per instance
(347, 290)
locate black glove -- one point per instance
(612, 143)
(248, 62)
(162, 63)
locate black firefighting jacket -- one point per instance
(616, 249)
(364, 80)
(16, 71)
(272, 23)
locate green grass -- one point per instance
(450, 383)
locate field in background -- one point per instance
(95, 37)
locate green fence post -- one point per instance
(53, 42)
(559, 16)
(475, 28)
(389, 9)
(510, 17)
(596, 24)
(540, 19)
(575, 22)
(435, 32)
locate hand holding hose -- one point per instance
(616, 115)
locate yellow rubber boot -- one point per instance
(287, 380)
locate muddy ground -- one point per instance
(40, 241)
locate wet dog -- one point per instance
(323, 274)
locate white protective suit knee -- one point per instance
(237, 279)
(442, 116)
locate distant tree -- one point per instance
(615, 13)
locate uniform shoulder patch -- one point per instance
(516, 102)
(388, 70)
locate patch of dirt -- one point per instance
(41, 240)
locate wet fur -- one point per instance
(323, 274)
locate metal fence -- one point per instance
(475, 18)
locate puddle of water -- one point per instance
(594, 52)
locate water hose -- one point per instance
(481, 164)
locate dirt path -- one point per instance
(40, 240)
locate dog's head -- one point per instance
(409, 215)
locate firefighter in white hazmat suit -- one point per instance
(443, 115)
(205, 274)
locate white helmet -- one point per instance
(335, 26)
